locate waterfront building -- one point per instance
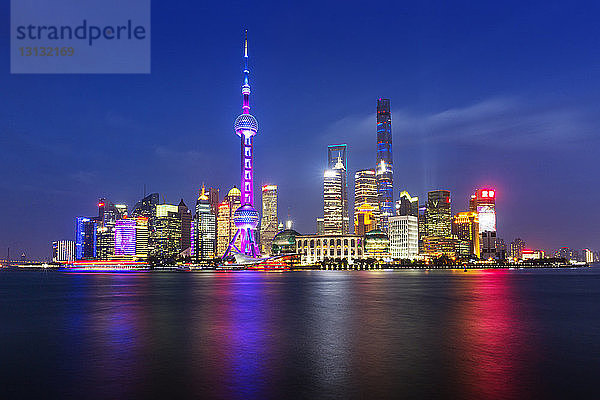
(407, 205)
(365, 196)
(167, 231)
(85, 238)
(384, 162)
(269, 223)
(313, 249)
(205, 228)
(377, 245)
(364, 219)
(528, 254)
(439, 214)
(516, 248)
(246, 218)
(587, 256)
(465, 226)
(334, 208)
(226, 228)
(63, 251)
(484, 203)
(403, 231)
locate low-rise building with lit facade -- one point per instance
(313, 249)
(377, 245)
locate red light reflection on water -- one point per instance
(492, 339)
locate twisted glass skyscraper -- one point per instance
(385, 163)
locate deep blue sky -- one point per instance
(483, 93)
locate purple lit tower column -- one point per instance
(246, 218)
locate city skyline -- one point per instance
(534, 150)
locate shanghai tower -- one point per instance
(385, 163)
(246, 218)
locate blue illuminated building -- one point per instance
(85, 238)
(385, 162)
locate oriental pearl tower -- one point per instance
(246, 218)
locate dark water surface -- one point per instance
(406, 334)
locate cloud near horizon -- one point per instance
(507, 123)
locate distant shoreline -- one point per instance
(112, 269)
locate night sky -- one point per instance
(503, 94)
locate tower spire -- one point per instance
(246, 84)
(246, 218)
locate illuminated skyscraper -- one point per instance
(142, 236)
(167, 231)
(484, 203)
(407, 205)
(465, 226)
(108, 214)
(333, 200)
(147, 208)
(439, 214)
(335, 152)
(85, 238)
(365, 193)
(185, 216)
(269, 223)
(246, 217)
(226, 228)
(385, 162)
(205, 233)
